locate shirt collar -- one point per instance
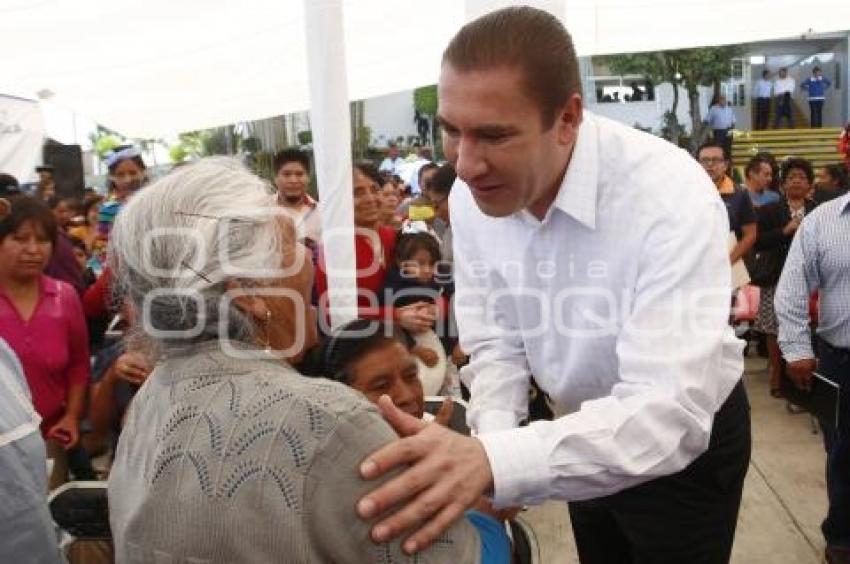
(844, 203)
(577, 193)
(48, 286)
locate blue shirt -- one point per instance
(816, 86)
(721, 117)
(763, 88)
(819, 259)
(764, 197)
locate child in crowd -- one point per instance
(375, 359)
(420, 217)
(411, 280)
(81, 253)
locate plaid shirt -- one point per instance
(819, 259)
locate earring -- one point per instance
(268, 345)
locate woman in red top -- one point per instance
(42, 321)
(374, 246)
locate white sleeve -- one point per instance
(497, 374)
(678, 362)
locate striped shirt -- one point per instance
(819, 259)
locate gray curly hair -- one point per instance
(179, 241)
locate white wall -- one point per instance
(651, 114)
(390, 116)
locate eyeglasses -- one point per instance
(711, 161)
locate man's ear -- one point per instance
(252, 305)
(5, 207)
(569, 119)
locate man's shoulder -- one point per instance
(827, 211)
(644, 158)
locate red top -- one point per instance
(53, 346)
(371, 273)
(96, 299)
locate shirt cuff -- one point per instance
(796, 353)
(520, 466)
(491, 421)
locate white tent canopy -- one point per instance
(150, 68)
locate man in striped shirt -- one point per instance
(819, 259)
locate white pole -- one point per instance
(330, 121)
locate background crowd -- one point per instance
(62, 315)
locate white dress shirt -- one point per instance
(783, 85)
(391, 165)
(617, 303)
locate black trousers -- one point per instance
(783, 110)
(762, 112)
(816, 113)
(722, 138)
(686, 518)
(834, 363)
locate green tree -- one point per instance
(425, 102)
(103, 141)
(690, 68)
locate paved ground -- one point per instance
(784, 495)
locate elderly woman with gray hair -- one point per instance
(228, 454)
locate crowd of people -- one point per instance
(196, 354)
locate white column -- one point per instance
(330, 123)
(845, 86)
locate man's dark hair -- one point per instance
(765, 73)
(443, 180)
(423, 169)
(798, 163)
(754, 164)
(409, 244)
(838, 173)
(524, 38)
(78, 243)
(291, 155)
(353, 341)
(816, 69)
(8, 185)
(774, 166)
(25, 210)
(710, 145)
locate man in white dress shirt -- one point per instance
(592, 256)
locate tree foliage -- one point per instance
(425, 100)
(689, 68)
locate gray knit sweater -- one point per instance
(224, 461)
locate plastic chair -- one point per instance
(81, 511)
(457, 422)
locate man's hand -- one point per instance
(448, 474)
(800, 372)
